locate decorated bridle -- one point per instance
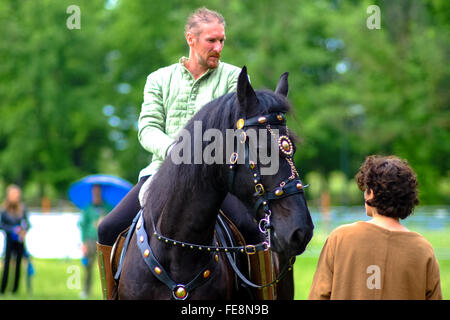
(290, 186)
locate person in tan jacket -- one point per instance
(380, 258)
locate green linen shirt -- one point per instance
(171, 98)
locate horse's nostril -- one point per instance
(297, 237)
(297, 242)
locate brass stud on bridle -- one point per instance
(157, 270)
(180, 292)
(262, 120)
(285, 145)
(279, 192)
(240, 123)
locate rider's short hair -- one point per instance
(202, 15)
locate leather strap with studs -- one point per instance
(179, 291)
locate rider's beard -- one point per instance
(209, 63)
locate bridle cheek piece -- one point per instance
(292, 185)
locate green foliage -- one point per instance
(51, 93)
(70, 99)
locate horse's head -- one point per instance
(261, 169)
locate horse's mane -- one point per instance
(221, 113)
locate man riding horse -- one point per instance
(172, 95)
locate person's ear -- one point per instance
(190, 38)
(368, 195)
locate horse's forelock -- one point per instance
(271, 102)
(223, 112)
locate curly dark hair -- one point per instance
(393, 182)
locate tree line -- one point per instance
(70, 98)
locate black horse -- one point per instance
(173, 252)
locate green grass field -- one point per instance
(63, 279)
(54, 279)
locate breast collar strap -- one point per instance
(179, 291)
(182, 291)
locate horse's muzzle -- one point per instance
(294, 245)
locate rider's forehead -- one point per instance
(211, 30)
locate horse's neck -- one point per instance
(192, 222)
(189, 214)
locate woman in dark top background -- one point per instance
(14, 221)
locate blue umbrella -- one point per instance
(113, 189)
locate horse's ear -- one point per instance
(245, 94)
(282, 86)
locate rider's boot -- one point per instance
(104, 265)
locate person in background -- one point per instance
(380, 258)
(14, 221)
(90, 219)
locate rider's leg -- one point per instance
(121, 216)
(104, 266)
(109, 228)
